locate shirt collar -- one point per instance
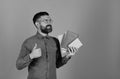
(41, 36)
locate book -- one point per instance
(76, 43)
(69, 39)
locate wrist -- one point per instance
(68, 56)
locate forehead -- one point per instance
(45, 17)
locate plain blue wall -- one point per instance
(96, 21)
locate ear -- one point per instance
(36, 23)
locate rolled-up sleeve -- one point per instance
(23, 59)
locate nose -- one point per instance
(49, 21)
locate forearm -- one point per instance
(23, 62)
(62, 61)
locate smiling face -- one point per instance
(44, 23)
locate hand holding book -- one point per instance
(70, 43)
(71, 51)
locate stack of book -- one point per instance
(69, 39)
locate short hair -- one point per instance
(38, 15)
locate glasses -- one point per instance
(46, 20)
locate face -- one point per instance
(45, 24)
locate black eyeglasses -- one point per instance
(46, 20)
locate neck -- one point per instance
(42, 33)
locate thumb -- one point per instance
(35, 46)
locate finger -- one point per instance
(69, 50)
(35, 46)
(75, 49)
(72, 51)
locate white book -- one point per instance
(76, 43)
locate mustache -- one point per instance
(48, 26)
(47, 29)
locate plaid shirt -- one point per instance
(43, 67)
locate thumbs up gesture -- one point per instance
(36, 52)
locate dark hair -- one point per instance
(38, 15)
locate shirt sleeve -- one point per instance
(23, 59)
(60, 61)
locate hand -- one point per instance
(71, 51)
(36, 52)
(64, 52)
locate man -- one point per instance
(41, 53)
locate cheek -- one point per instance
(43, 24)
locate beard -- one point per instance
(47, 29)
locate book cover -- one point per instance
(69, 39)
